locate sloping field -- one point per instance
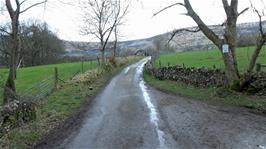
(209, 58)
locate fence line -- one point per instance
(260, 66)
(43, 88)
(40, 89)
(47, 85)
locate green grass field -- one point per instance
(209, 58)
(30, 76)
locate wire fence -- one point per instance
(40, 89)
(45, 87)
(260, 67)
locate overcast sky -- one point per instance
(65, 19)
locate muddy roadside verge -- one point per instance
(213, 96)
(196, 124)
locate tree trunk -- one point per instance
(103, 57)
(231, 70)
(256, 54)
(10, 87)
(115, 43)
(248, 75)
(114, 50)
(230, 37)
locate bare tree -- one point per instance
(124, 6)
(101, 18)
(229, 38)
(4, 46)
(261, 40)
(159, 45)
(14, 12)
(39, 44)
(115, 41)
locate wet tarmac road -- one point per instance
(129, 114)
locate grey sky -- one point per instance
(65, 19)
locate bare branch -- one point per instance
(36, 4)
(66, 3)
(17, 3)
(243, 11)
(4, 31)
(22, 2)
(203, 27)
(234, 6)
(259, 44)
(260, 21)
(197, 29)
(165, 8)
(10, 8)
(226, 7)
(4, 51)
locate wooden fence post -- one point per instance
(258, 67)
(98, 59)
(214, 67)
(56, 77)
(82, 66)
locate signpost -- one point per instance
(225, 48)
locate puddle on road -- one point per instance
(126, 70)
(153, 112)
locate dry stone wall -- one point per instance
(257, 84)
(201, 77)
(16, 113)
(204, 77)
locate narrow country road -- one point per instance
(128, 114)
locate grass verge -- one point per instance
(56, 108)
(212, 95)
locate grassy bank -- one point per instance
(208, 58)
(30, 76)
(212, 95)
(60, 105)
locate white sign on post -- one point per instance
(225, 48)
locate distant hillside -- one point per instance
(77, 49)
(193, 41)
(181, 42)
